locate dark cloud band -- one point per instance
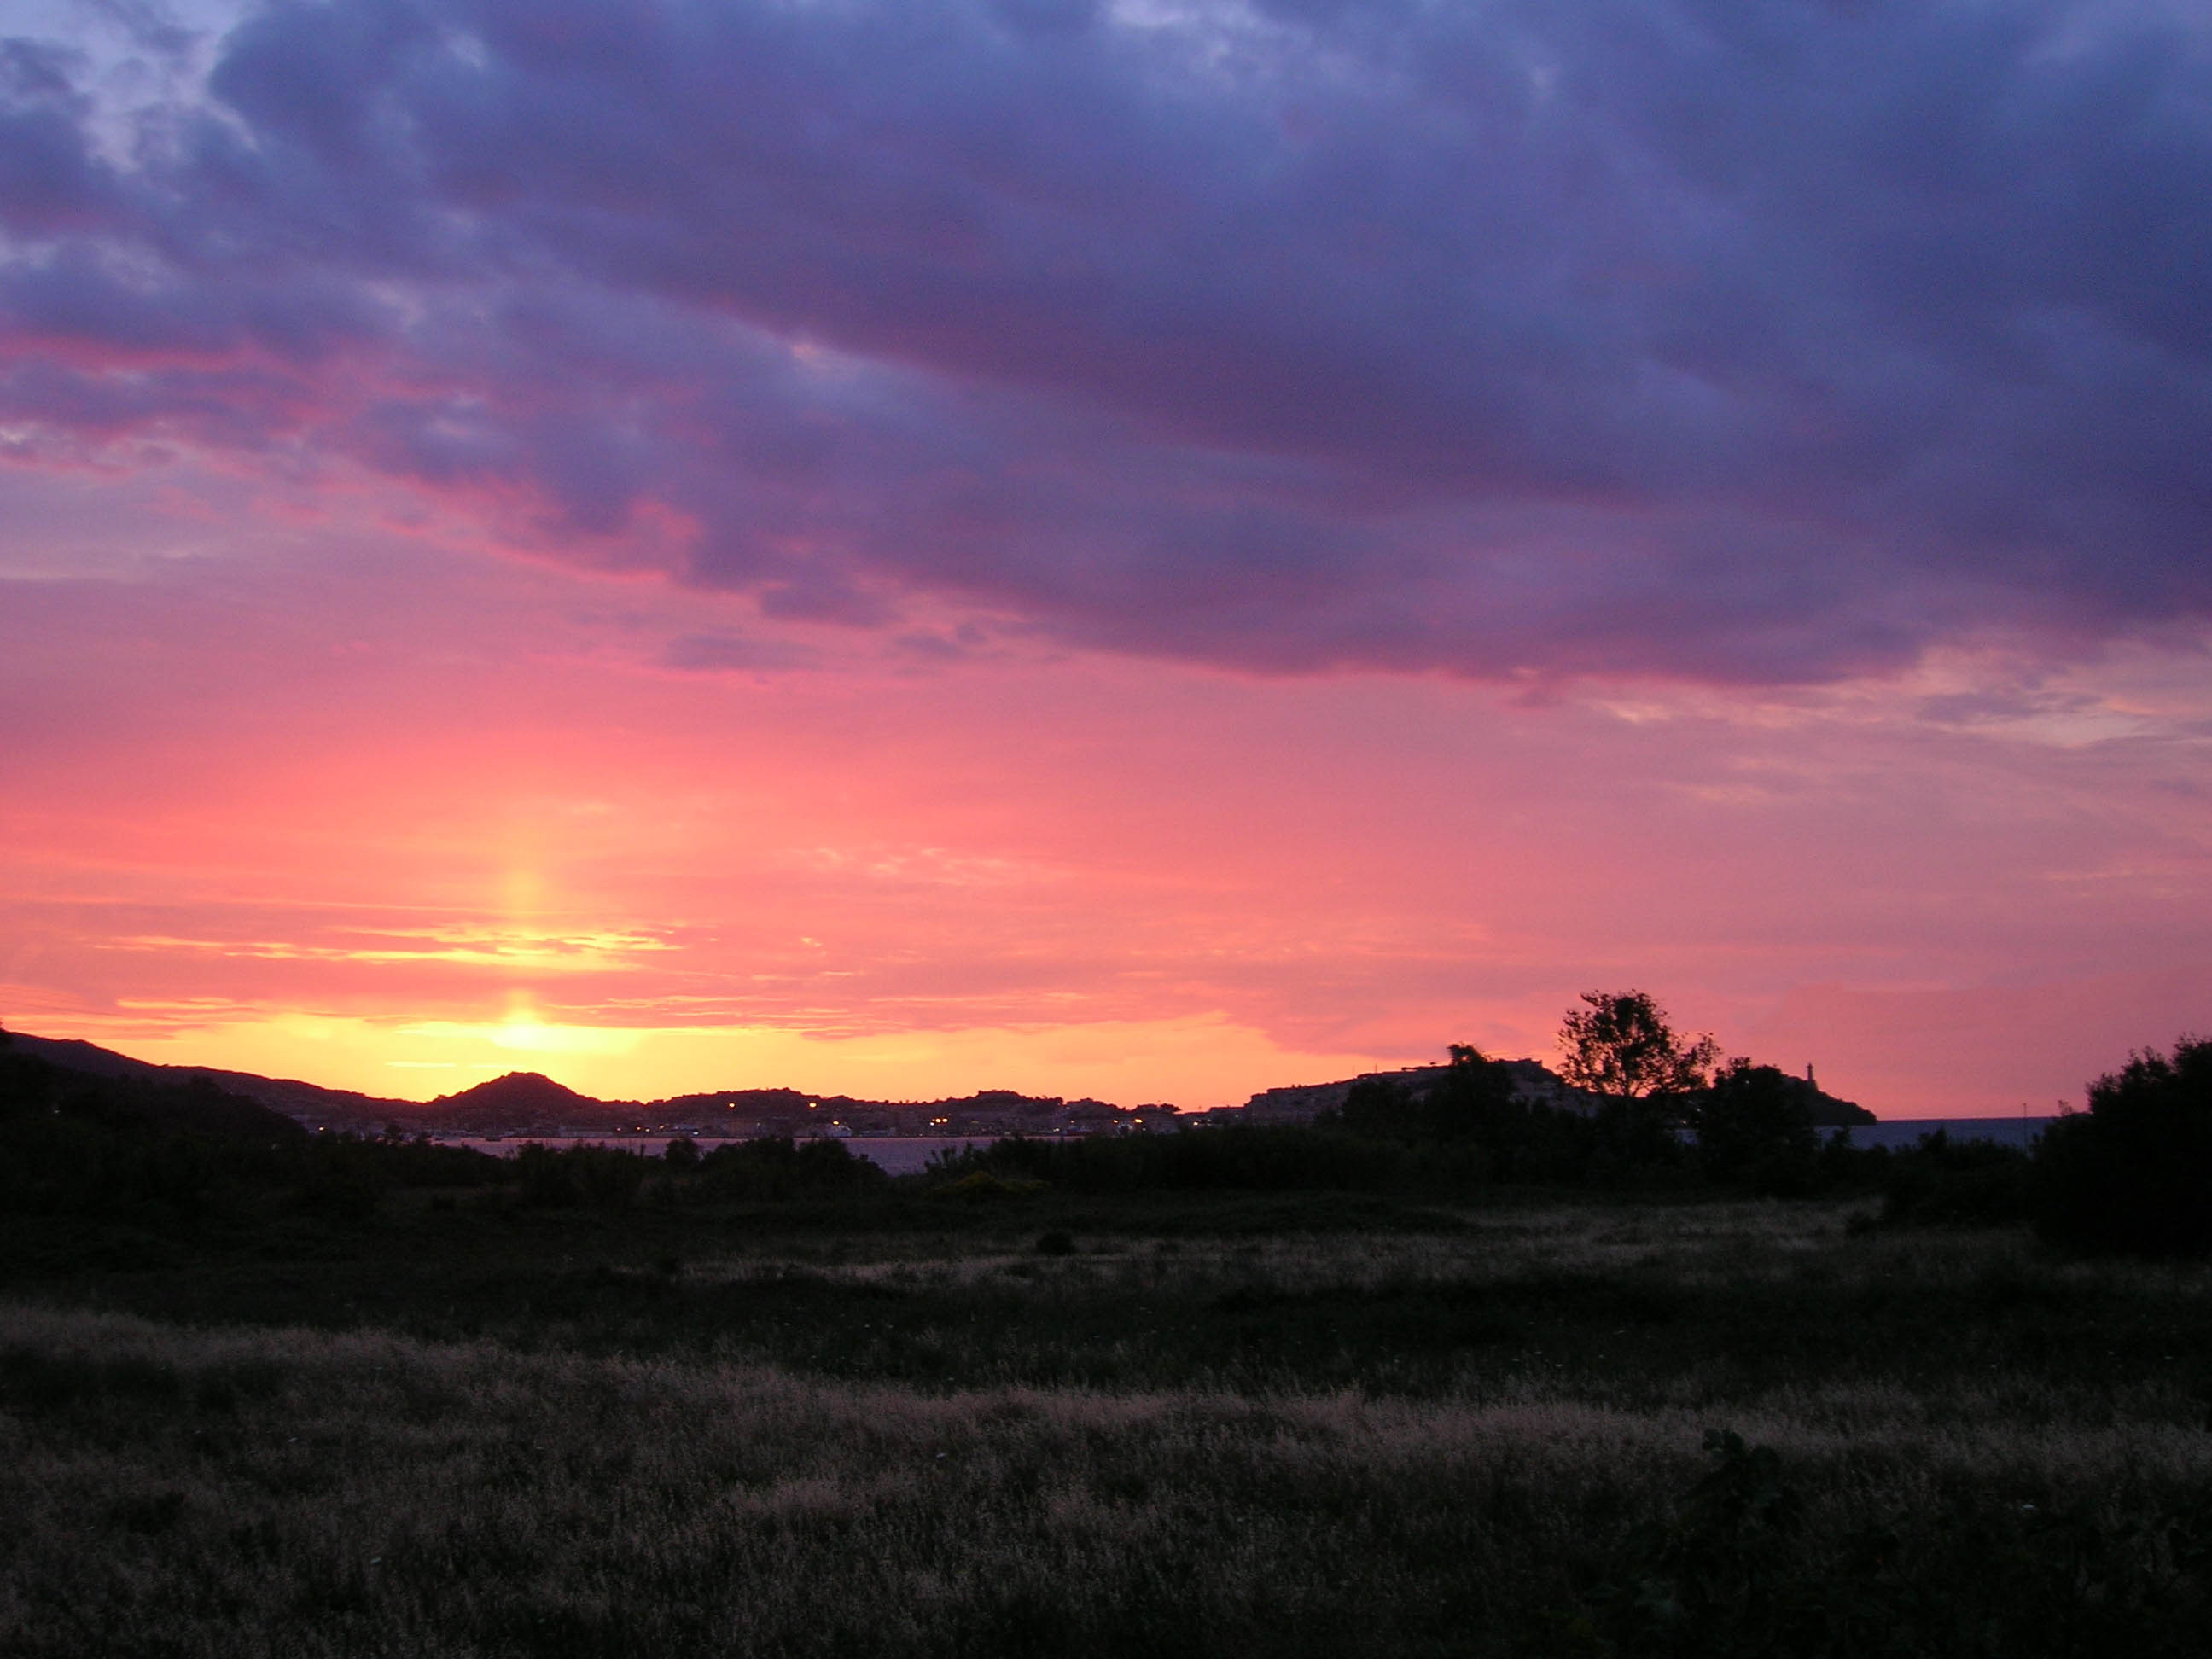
(1760, 343)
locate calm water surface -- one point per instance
(894, 1154)
(1904, 1131)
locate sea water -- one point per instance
(893, 1154)
(1904, 1131)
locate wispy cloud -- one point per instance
(514, 951)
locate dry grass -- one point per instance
(371, 1494)
(241, 1492)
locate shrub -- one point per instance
(1941, 1180)
(342, 1178)
(775, 1168)
(547, 1179)
(2133, 1173)
(1755, 1127)
(985, 1188)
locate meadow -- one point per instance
(1340, 1424)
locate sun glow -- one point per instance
(532, 1038)
(525, 1031)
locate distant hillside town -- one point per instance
(524, 1105)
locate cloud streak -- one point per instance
(1770, 344)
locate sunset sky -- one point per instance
(1151, 549)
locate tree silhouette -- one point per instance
(1619, 1043)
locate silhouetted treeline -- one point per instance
(1751, 1127)
(2130, 1174)
(767, 1169)
(1472, 1122)
(1750, 1132)
(1464, 1131)
(775, 1168)
(1243, 1157)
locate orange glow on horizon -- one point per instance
(1072, 876)
(1126, 1063)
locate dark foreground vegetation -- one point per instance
(1447, 1376)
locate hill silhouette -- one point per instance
(520, 1102)
(1827, 1111)
(523, 1095)
(33, 1087)
(290, 1096)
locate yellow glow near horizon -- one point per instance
(1194, 1062)
(532, 1036)
(524, 1031)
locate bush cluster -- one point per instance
(2134, 1172)
(776, 1167)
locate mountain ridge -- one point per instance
(291, 1095)
(541, 1105)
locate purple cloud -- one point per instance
(1765, 343)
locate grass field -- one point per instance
(1232, 1425)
